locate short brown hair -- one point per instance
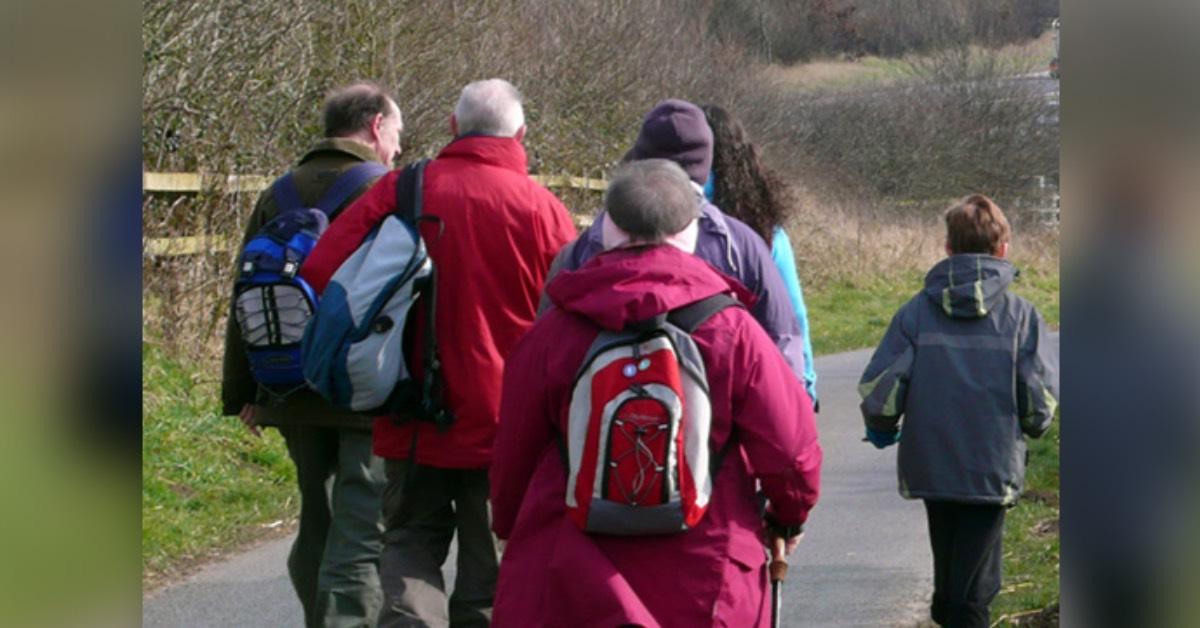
(976, 225)
(351, 109)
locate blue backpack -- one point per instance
(272, 303)
(359, 346)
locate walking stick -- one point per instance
(778, 569)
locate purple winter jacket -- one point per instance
(734, 249)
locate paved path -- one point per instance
(864, 561)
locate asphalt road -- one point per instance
(863, 562)
(864, 559)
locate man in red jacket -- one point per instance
(499, 231)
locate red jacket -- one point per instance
(554, 574)
(500, 232)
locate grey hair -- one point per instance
(490, 107)
(651, 199)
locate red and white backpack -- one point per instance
(637, 441)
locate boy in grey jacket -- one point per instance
(969, 367)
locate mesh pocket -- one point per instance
(272, 315)
(638, 448)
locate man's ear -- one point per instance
(1002, 251)
(949, 251)
(453, 125)
(520, 135)
(377, 127)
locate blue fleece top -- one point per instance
(785, 261)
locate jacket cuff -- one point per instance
(786, 531)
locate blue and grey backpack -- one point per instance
(272, 303)
(358, 347)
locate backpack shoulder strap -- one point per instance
(285, 194)
(347, 183)
(409, 191)
(689, 317)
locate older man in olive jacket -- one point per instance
(334, 562)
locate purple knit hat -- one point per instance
(676, 130)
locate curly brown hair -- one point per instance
(745, 187)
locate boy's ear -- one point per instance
(949, 251)
(1002, 252)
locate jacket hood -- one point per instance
(629, 285)
(969, 285)
(502, 152)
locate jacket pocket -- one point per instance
(747, 553)
(742, 599)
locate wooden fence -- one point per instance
(196, 183)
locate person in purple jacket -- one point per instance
(677, 130)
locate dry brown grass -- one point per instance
(848, 239)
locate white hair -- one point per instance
(490, 107)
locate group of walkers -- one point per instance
(630, 411)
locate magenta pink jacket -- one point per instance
(554, 574)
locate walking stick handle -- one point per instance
(778, 566)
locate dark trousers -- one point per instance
(967, 556)
(334, 562)
(421, 515)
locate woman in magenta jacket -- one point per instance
(555, 574)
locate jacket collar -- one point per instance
(502, 152)
(627, 285)
(712, 220)
(354, 148)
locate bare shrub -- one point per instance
(236, 86)
(955, 126)
(788, 31)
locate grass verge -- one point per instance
(1029, 594)
(208, 485)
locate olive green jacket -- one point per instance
(314, 174)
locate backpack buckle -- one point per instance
(289, 268)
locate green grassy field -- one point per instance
(1031, 542)
(208, 484)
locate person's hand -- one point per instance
(789, 545)
(883, 439)
(249, 417)
(777, 538)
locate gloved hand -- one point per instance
(882, 439)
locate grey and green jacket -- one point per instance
(969, 367)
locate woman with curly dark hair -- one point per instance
(742, 186)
